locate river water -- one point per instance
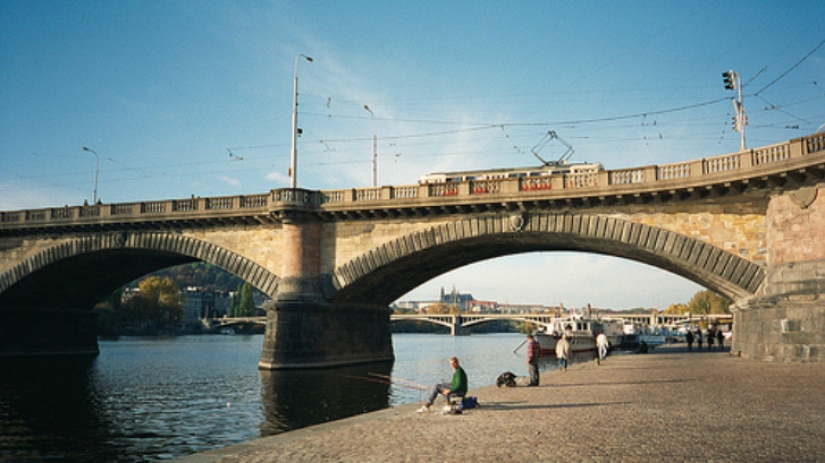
(151, 399)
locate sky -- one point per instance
(181, 98)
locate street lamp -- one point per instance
(293, 165)
(374, 150)
(97, 170)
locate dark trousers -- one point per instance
(533, 366)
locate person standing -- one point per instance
(699, 339)
(563, 352)
(689, 339)
(711, 338)
(721, 338)
(533, 355)
(602, 344)
(458, 386)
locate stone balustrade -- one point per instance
(694, 170)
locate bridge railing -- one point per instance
(263, 203)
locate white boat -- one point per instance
(635, 334)
(580, 332)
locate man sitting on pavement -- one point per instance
(457, 387)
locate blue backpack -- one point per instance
(468, 402)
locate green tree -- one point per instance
(159, 301)
(246, 304)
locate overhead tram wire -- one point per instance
(791, 68)
(148, 174)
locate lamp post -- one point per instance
(293, 164)
(374, 150)
(97, 170)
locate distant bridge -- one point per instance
(749, 225)
(458, 323)
(234, 321)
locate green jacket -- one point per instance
(459, 383)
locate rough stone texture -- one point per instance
(313, 335)
(666, 406)
(786, 319)
(741, 233)
(796, 230)
(387, 272)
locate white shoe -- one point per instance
(424, 409)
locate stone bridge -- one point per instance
(749, 225)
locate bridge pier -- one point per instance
(320, 335)
(29, 331)
(458, 328)
(304, 329)
(785, 321)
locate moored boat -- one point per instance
(580, 332)
(634, 335)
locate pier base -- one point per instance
(26, 331)
(787, 322)
(320, 335)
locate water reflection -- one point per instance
(150, 399)
(49, 410)
(296, 399)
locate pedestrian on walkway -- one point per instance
(563, 352)
(533, 355)
(602, 344)
(721, 338)
(689, 339)
(699, 339)
(711, 338)
(457, 387)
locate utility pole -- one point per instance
(374, 150)
(293, 168)
(740, 120)
(97, 170)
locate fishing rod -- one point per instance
(519, 346)
(380, 381)
(410, 383)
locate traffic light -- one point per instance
(730, 79)
(739, 122)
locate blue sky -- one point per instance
(187, 97)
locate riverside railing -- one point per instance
(735, 162)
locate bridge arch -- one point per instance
(82, 271)
(393, 269)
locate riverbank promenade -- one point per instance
(670, 405)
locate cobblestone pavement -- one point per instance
(666, 406)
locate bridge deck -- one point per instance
(798, 161)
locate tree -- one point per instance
(159, 301)
(676, 309)
(438, 308)
(709, 302)
(246, 304)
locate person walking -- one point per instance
(563, 352)
(699, 339)
(689, 339)
(458, 386)
(533, 355)
(602, 344)
(721, 338)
